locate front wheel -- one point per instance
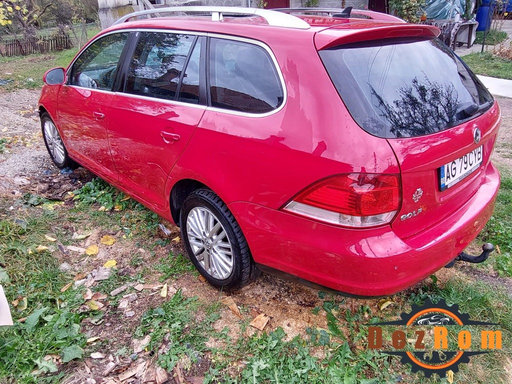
(214, 241)
(54, 143)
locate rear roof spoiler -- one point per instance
(337, 35)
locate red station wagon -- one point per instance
(349, 149)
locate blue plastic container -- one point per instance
(482, 16)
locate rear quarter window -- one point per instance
(243, 77)
(405, 88)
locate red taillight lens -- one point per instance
(356, 199)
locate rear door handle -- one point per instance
(169, 137)
(98, 115)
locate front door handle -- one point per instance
(98, 115)
(169, 137)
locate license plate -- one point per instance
(456, 170)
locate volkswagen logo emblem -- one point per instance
(417, 195)
(477, 135)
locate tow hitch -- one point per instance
(487, 248)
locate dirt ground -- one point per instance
(26, 167)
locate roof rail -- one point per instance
(278, 19)
(332, 12)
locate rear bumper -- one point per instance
(369, 262)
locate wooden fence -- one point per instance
(17, 47)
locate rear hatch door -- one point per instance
(412, 91)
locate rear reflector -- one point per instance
(354, 200)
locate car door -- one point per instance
(152, 121)
(84, 100)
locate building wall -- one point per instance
(357, 4)
(111, 10)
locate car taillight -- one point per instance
(354, 200)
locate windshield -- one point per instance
(405, 88)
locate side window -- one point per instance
(157, 63)
(243, 77)
(96, 67)
(189, 90)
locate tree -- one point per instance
(23, 14)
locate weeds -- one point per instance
(100, 192)
(50, 333)
(175, 325)
(174, 265)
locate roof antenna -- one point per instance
(344, 14)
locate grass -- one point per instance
(26, 72)
(51, 330)
(175, 325)
(499, 228)
(493, 37)
(181, 328)
(489, 65)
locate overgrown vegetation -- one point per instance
(489, 65)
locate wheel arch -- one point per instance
(179, 192)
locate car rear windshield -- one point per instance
(405, 88)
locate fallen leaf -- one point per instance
(80, 276)
(202, 278)
(449, 376)
(163, 292)
(384, 303)
(92, 339)
(176, 239)
(110, 263)
(66, 287)
(92, 250)
(78, 236)
(125, 198)
(230, 303)
(260, 321)
(49, 238)
(498, 250)
(23, 304)
(102, 208)
(76, 249)
(118, 208)
(41, 248)
(107, 240)
(95, 305)
(98, 296)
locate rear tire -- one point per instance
(214, 241)
(54, 143)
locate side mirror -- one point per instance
(55, 76)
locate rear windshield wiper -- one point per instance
(465, 111)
